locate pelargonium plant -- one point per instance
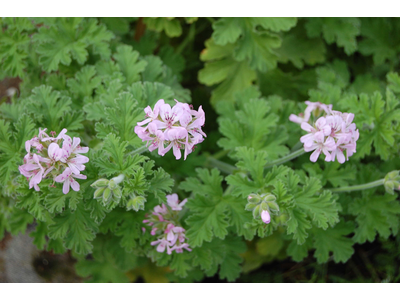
(58, 158)
(126, 86)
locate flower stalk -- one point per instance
(358, 187)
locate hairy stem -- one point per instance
(286, 158)
(227, 168)
(139, 150)
(188, 39)
(359, 187)
(222, 166)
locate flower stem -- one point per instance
(139, 150)
(358, 187)
(222, 166)
(286, 158)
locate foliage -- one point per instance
(95, 76)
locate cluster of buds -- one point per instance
(54, 157)
(392, 182)
(263, 206)
(178, 128)
(108, 190)
(164, 223)
(332, 134)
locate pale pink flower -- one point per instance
(173, 202)
(177, 128)
(162, 244)
(67, 177)
(152, 115)
(165, 224)
(50, 159)
(321, 145)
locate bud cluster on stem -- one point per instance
(165, 224)
(108, 190)
(262, 206)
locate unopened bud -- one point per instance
(265, 217)
(117, 192)
(98, 193)
(112, 185)
(100, 183)
(106, 195)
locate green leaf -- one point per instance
(321, 209)
(298, 224)
(84, 83)
(380, 39)
(113, 161)
(69, 38)
(342, 31)
(375, 214)
(49, 106)
(127, 60)
(233, 76)
(299, 49)
(334, 240)
(171, 26)
(77, 228)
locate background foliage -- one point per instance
(94, 76)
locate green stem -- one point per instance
(139, 150)
(286, 158)
(222, 166)
(188, 39)
(358, 187)
(227, 168)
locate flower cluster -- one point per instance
(178, 128)
(332, 134)
(54, 157)
(164, 222)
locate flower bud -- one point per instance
(106, 195)
(111, 184)
(265, 217)
(273, 206)
(392, 181)
(268, 197)
(250, 206)
(100, 183)
(117, 192)
(256, 212)
(253, 198)
(98, 193)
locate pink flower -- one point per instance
(50, 160)
(68, 178)
(152, 115)
(173, 202)
(265, 217)
(162, 244)
(33, 170)
(165, 224)
(178, 138)
(176, 128)
(315, 107)
(332, 135)
(321, 145)
(55, 152)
